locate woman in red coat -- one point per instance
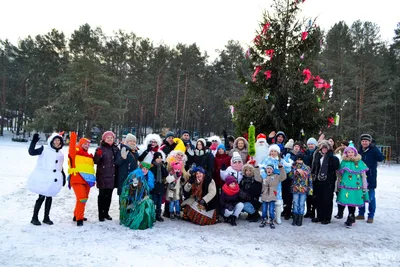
(221, 160)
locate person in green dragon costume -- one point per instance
(137, 209)
(352, 182)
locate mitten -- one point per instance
(225, 134)
(202, 202)
(149, 148)
(35, 138)
(190, 151)
(99, 152)
(192, 178)
(223, 167)
(124, 153)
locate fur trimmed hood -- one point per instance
(246, 144)
(248, 167)
(354, 159)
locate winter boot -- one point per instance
(272, 225)
(233, 220)
(350, 220)
(360, 217)
(47, 207)
(107, 204)
(295, 219)
(38, 204)
(172, 216)
(339, 215)
(74, 219)
(299, 220)
(263, 223)
(159, 218)
(100, 208)
(370, 220)
(254, 217)
(178, 215)
(79, 223)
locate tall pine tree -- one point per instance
(277, 97)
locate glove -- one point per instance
(99, 152)
(192, 179)
(202, 202)
(225, 134)
(149, 148)
(223, 167)
(124, 153)
(35, 138)
(182, 180)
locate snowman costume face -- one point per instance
(47, 177)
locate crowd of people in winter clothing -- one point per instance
(209, 181)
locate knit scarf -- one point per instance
(230, 191)
(323, 171)
(197, 191)
(158, 174)
(155, 149)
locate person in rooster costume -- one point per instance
(81, 174)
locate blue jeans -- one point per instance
(271, 206)
(157, 199)
(371, 205)
(298, 203)
(174, 204)
(249, 208)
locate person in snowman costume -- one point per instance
(48, 177)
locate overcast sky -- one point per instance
(209, 23)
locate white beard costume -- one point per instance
(261, 151)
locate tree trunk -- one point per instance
(177, 100)
(184, 99)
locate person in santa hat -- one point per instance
(261, 149)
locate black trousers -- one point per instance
(104, 201)
(311, 205)
(287, 197)
(324, 200)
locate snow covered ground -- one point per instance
(178, 243)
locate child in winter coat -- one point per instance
(48, 177)
(250, 191)
(301, 187)
(270, 183)
(274, 158)
(230, 205)
(174, 189)
(160, 173)
(352, 182)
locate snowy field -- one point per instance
(178, 243)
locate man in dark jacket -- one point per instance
(371, 156)
(168, 143)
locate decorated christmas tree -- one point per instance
(283, 88)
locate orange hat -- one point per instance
(83, 141)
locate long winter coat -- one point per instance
(371, 156)
(48, 177)
(333, 166)
(126, 166)
(106, 173)
(219, 160)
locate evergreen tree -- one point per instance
(276, 96)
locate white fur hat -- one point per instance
(274, 147)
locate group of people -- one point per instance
(210, 181)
